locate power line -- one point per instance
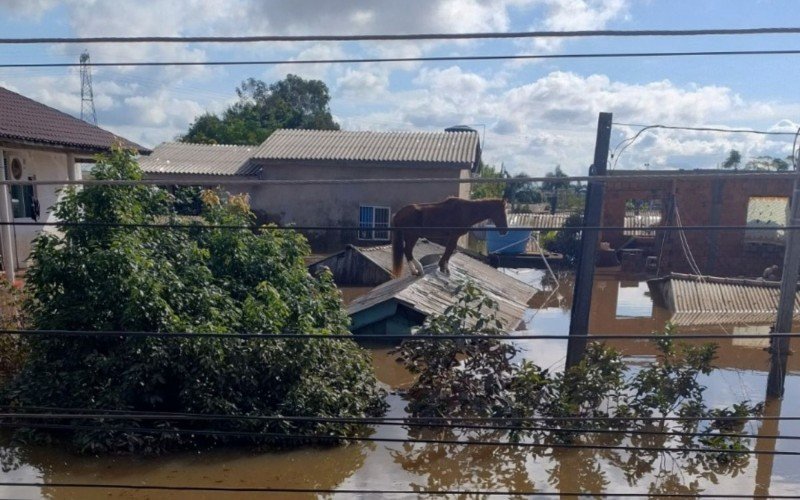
(239, 181)
(122, 415)
(276, 62)
(376, 336)
(706, 129)
(255, 227)
(371, 439)
(373, 492)
(402, 37)
(381, 420)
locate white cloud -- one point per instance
(552, 120)
(364, 85)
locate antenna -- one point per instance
(88, 113)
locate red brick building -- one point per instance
(703, 198)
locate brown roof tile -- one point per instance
(23, 119)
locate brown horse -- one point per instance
(452, 212)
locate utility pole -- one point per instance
(88, 113)
(584, 278)
(779, 346)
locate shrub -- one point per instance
(477, 378)
(12, 349)
(566, 241)
(207, 280)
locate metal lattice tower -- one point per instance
(88, 113)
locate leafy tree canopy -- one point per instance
(483, 190)
(764, 162)
(480, 378)
(733, 160)
(558, 181)
(105, 277)
(263, 108)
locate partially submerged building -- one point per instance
(299, 158)
(695, 301)
(701, 198)
(399, 305)
(38, 142)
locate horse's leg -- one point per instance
(444, 262)
(408, 249)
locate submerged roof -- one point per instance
(203, 159)
(434, 292)
(26, 120)
(708, 300)
(425, 147)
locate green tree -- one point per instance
(263, 108)
(566, 241)
(478, 377)
(207, 280)
(482, 190)
(733, 160)
(558, 180)
(768, 163)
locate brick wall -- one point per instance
(701, 202)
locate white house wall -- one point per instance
(43, 165)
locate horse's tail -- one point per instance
(397, 253)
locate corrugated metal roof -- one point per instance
(636, 222)
(204, 159)
(549, 221)
(711, 300)
(430, 147)
(434, 292)
(24, 119)
(382, 255)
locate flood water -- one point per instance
(618, 307)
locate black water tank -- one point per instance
(460, 128)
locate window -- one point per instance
(22, 197)
(640, 216)
(766, 211)
(372, 220)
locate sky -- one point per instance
(531, 115)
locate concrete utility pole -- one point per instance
(779, 346)
(584, 278)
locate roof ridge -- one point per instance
(205, 144)
(40, 122)
(331, 131)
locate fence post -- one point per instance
(584, 276)
(779, 346)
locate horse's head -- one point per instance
(498, 216)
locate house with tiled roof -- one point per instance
(380, 160)
(38, 142)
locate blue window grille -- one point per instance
(374, 223)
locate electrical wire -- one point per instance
(422, 421)
(706, 129)
(234, 180)
(403, 37)
(374, 492)
(371, 439)
(349, 336)
(256, 227)
(508, 57)
(89, 414)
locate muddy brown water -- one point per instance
(618, 307)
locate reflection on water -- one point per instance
(617, 307)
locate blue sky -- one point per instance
(534, 114)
